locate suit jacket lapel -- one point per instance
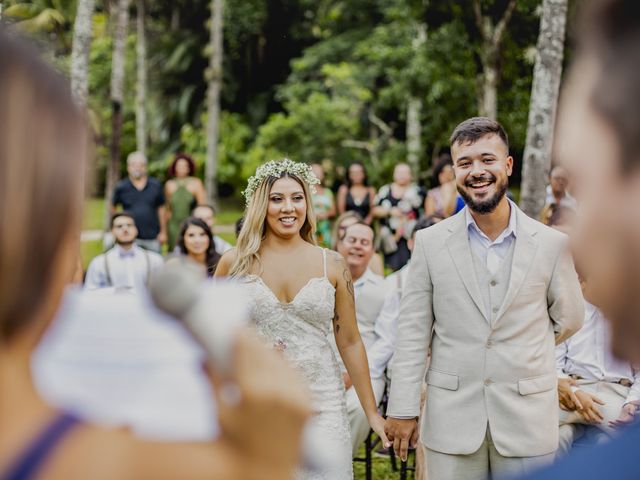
(523, 256)
(460, 251)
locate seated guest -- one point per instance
(208, 214)
(396, 280)
(195, 242)
(594, 387)
(125, 265)
(376, 319)
(557, 190)
(344, 221)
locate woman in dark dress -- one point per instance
(356, 195)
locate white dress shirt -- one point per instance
(221, 245)
(377, 327)
(587, 354)
(123, 269)
(566, 201)
(491, 252)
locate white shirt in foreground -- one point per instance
(588, 355)
(113, 358)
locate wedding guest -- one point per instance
(340, 226)
(356, 195)
(183, 191)
(208, 214)
(398, 207)
(38, 259)
(195, 243)
(324, 206)
(142, 196)
(594, 387)
(558, 188)
(599, 129)
(125, 265)
(442, 199)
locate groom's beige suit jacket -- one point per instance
(488, 368)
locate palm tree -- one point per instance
(213, 100)
(121, 17)
(141, 80)
(80, 51)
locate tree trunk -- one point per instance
(489, 96)
(542, 109)
(80, 52)
(414, 111)
(213, 101)
(121, 16)
(490, 55)
(141, 81)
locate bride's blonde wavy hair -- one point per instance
(254, 227)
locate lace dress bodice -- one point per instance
(300, 329)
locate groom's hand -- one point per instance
(403, 433)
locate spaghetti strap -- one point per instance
(324, 262)
(29, 462)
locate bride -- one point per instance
(299, 291)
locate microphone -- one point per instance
(214, 310)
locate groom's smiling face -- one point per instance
(482, 171)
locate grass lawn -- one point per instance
(381, 468)
(94, 214)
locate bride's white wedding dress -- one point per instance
(300, 330)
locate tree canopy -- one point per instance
(321, 80)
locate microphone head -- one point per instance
(176, 288)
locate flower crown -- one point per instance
(275, 168)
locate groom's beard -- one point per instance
(487, 205)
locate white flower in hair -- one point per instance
(275, 168)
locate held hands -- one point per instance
(403, 433)
(377, 424)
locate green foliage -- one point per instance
(235, 136)
(310, 79)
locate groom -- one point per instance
(491, 291)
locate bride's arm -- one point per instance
(349, 342)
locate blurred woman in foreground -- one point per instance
(43, 146)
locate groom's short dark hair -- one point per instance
(474, 128)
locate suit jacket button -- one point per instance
(493, 283)
(488, 382)
(489, 344)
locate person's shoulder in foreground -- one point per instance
(617, 459)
